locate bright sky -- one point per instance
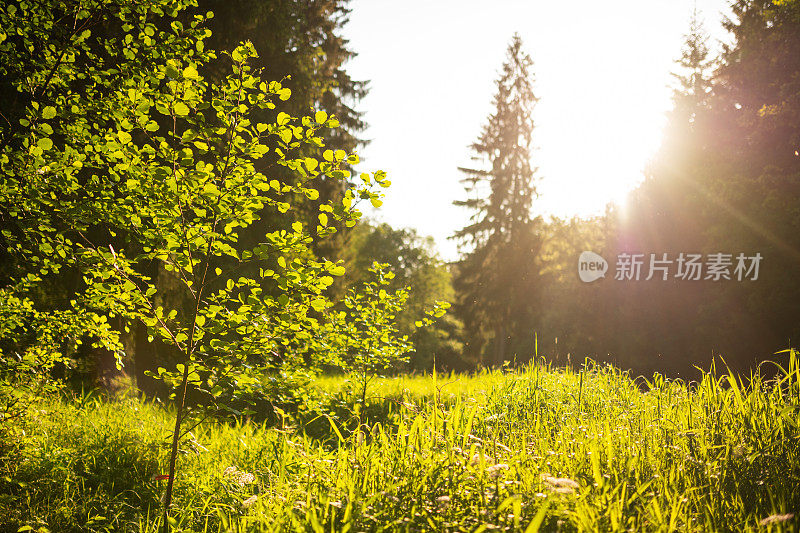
(601, 71)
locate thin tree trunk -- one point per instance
(174, 453)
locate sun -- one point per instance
(594, 151)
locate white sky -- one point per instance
(602, 71)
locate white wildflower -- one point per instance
(239, 477)
(496, 470)
(245, 478)
(561, 485)
(476, 459)
(776, 519)
(249, 501)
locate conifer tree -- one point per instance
(673, 189)
(494, 277)
(300, 41)
(695, 71)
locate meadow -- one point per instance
(534, 449)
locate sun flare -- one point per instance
(584, 168)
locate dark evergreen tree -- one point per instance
(694, 73)
(301, 41)
(756, 175)
(666, 208)
(493, 280)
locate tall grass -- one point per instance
(538, 449)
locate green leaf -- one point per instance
(181, 109)
(318, 304)
(190, 72)
(44, 143)
(172, 71)
(48, 112)
(210, 189)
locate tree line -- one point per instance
(719, 200)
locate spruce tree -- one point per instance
(300, 41)
(493, 280)
(695, 72)
(673, 190)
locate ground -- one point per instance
(535, 449)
